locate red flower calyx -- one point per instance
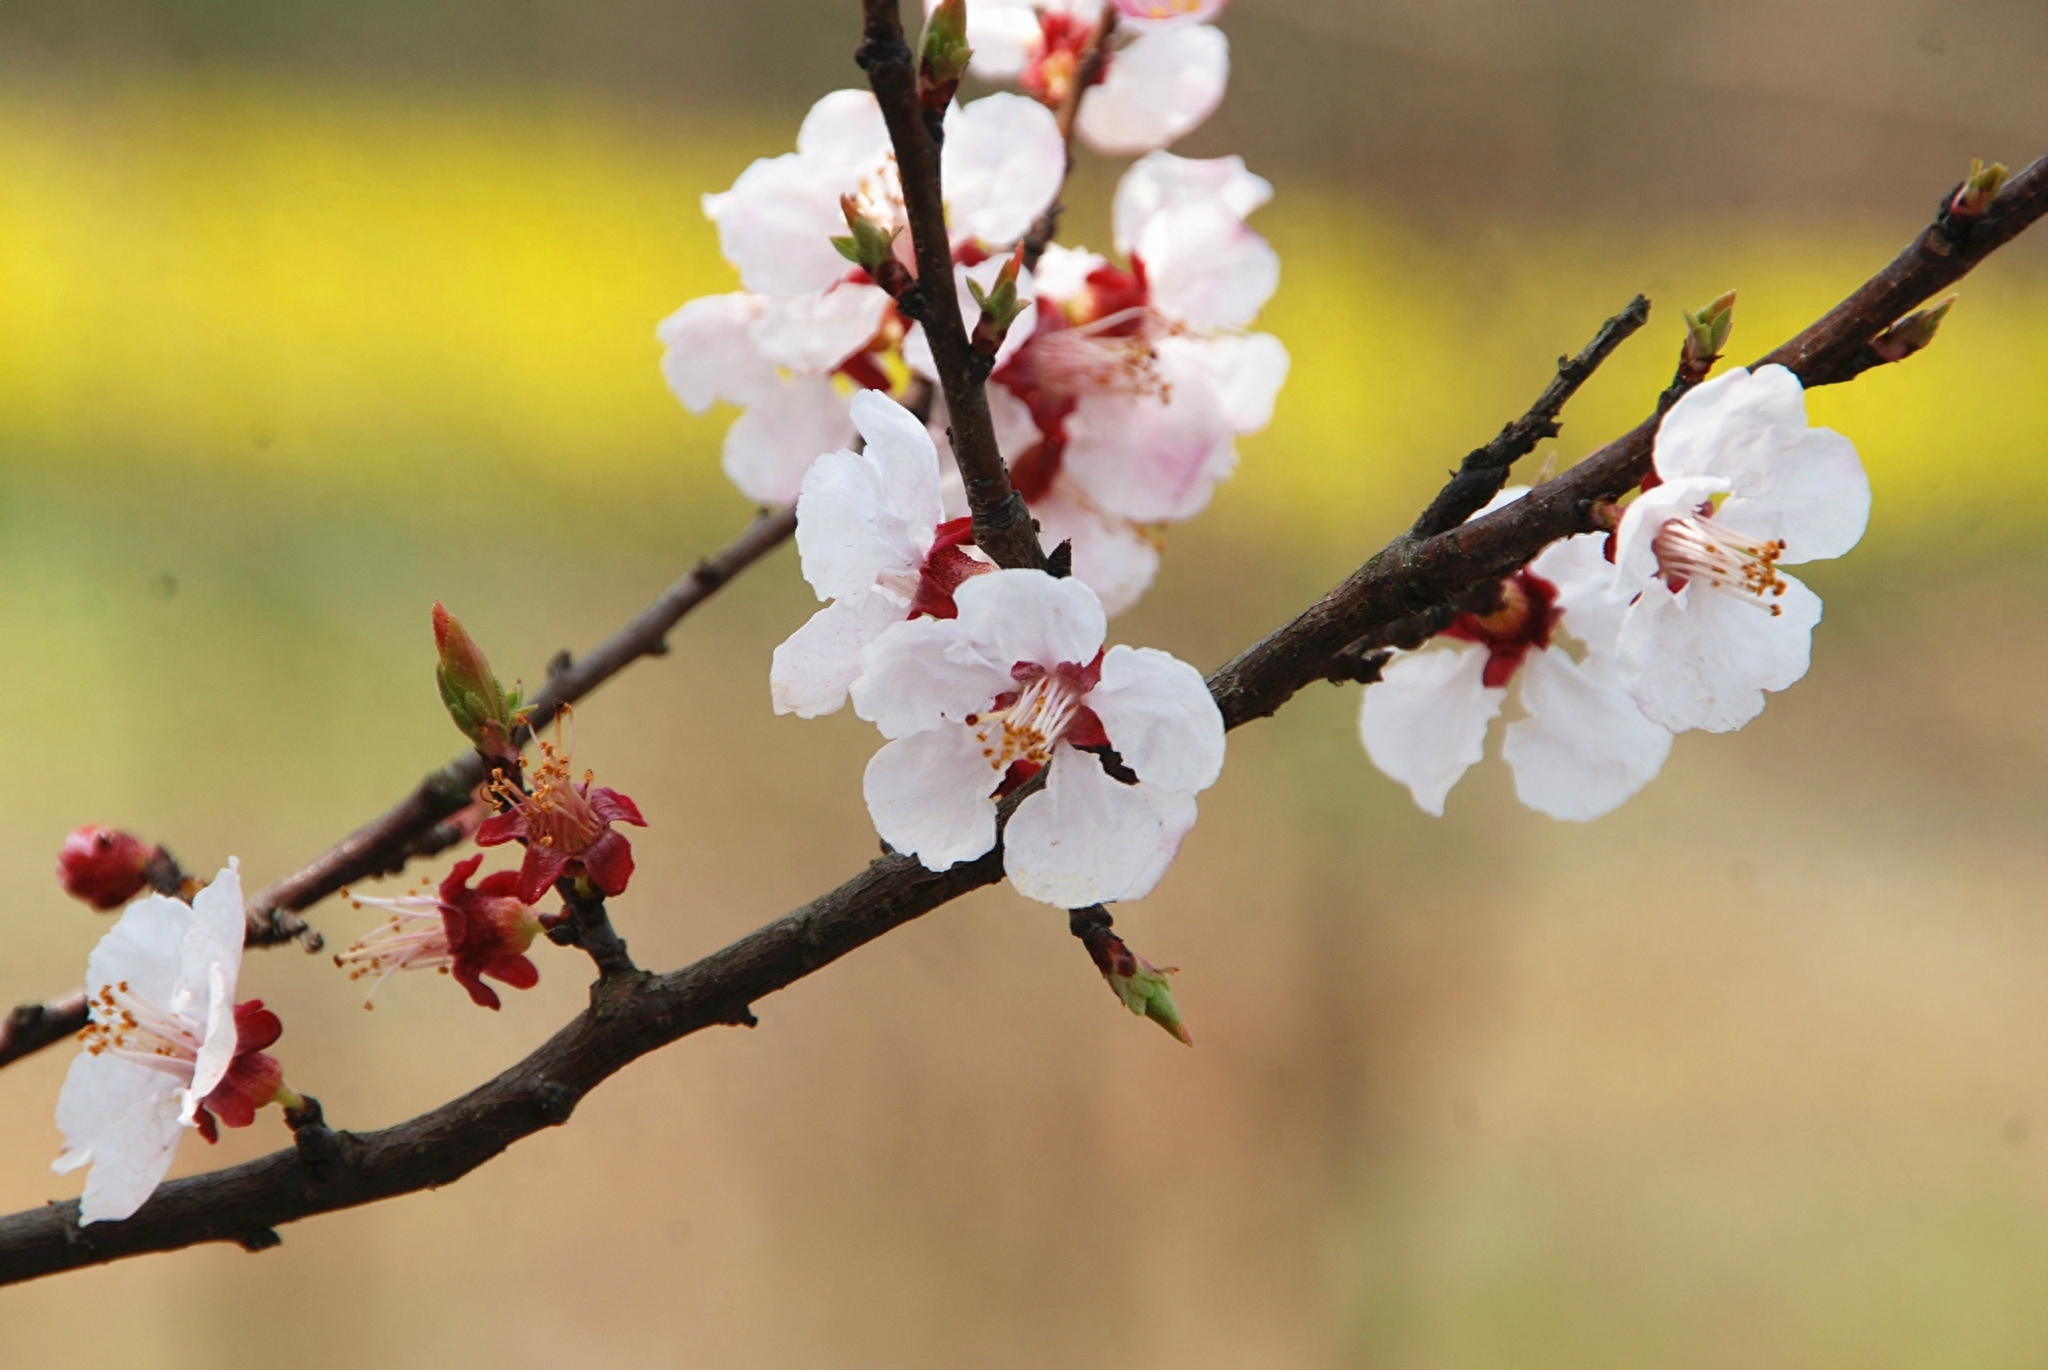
(565, 824)
(254, 1077)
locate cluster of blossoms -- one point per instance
(1684, 617)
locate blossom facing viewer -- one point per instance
(469, 933)
(566, 825)
(869, 535)
(977, 705)
(167, 1047)
(1743, 487)
(1583, 747)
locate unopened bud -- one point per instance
(1141, 985)
(104, 867)
(1000, 305)
(1911, 333)
(943, 55)
(484, 710)
(1706, 333)
(1974, 197)
(868, 245)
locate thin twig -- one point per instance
(1087, 72)
(31, 1027)
(1002, 525)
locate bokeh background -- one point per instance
(311, 313)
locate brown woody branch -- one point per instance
(1002, 525)
(1087, 72)
(633, 1012)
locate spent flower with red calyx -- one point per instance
(106, 867)
(1142, 986)
(566, 824)
(460, 931)
(1912, 333)
(1523, 613)
(254, 1078)
(485, 711)
(943, 55)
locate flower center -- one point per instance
(1105, 356)
(416, 938)
(1700, 548)
(134, 1029)
(1022, 725)
(1050, 73)
(1523, 615)
(557, 813)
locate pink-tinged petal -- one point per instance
(130, 1159)
(776, 224)
(1585, 746)
(1150, 460)
(609, 863)
(1161, 183)
(1704, 658)
(709, 354)
(1424, 723)
(1160, 718)
(1111, 557)
(1206, 268)
(470, 977)
(614, 807)
(1062, 272)
(922, 674)
(1593, 608)
(1245, 370)
(810, 672)
(513, 969)
(539, 872)
(1013, 616)
(1813, 495)
(1002, 164)
(1158, 88)
(815, 332)
(499, 829)
(770, 447)
(929, 796)
(1089, 839)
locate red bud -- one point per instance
(105, 867)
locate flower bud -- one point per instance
(943, 55)
(1976, 193)
(1140, 984)
(1706, 333)
(999, 306)
(104, 867)
(483, 709)
(1910, 334)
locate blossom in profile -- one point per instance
(1743, 487)
(1018, 683)
(871, 540)
(1121, 413)
(1165, 72)
(1581, 748)
(566, 825)
(808, 329)
(166, 1048)
(469, 933)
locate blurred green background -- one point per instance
(311, 314)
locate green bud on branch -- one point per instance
(485, 711)
(943, 55)
(1910, 334)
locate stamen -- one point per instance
(1699, 548)
(1028, 728)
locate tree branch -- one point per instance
(1002, 525)
(633, 1012)
(1087, 72)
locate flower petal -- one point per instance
(1160, 718)
(929, 796)
(609, 862)
(614, 807)
(1014, 616)
(1206, 268)
(811, 670)
(1704, 658)
(130, 1159)
(1593, 608)
(1814, 495)
(864, 516)
(540, 870)
(819, 330)
(144, 948)
(98, 1091)
(1002, 34)
(1425, 721)
(1160, 183)
(1158, 88)
(1150, 459)
(1733, 426)
(1245, 370)
(1002, 163)
(1585, 746)
(709, 353)
(770, 447)
(920, 674)
(1089, 839)
(1111, 556)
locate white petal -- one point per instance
(777, 222)
(818, 331)
(1148, 15)
(1593, 607)
(1585, 746)
(709, 352)
(869, 515)
(1016, 616)
(1160, 182)
(921, 674)
(1003, 162)
(1732, 426)
(1148, 459)
(1063, 272)
(1205, 267)
(770, 447)
(1814, 495)
(1087, 839)
(1003, 36)
(1703, 658)
(216, 1047)
(1161, 86)
(1160, 718)
(130, 1159)
(1425, 721)
(1245, 370)
(144, 948)
(215, 934)
(98, 1091)
(1111, 556)
(1635, 558)
(929, 796)
(811, 670)
(845, 129)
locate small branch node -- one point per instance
(261, 1239)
